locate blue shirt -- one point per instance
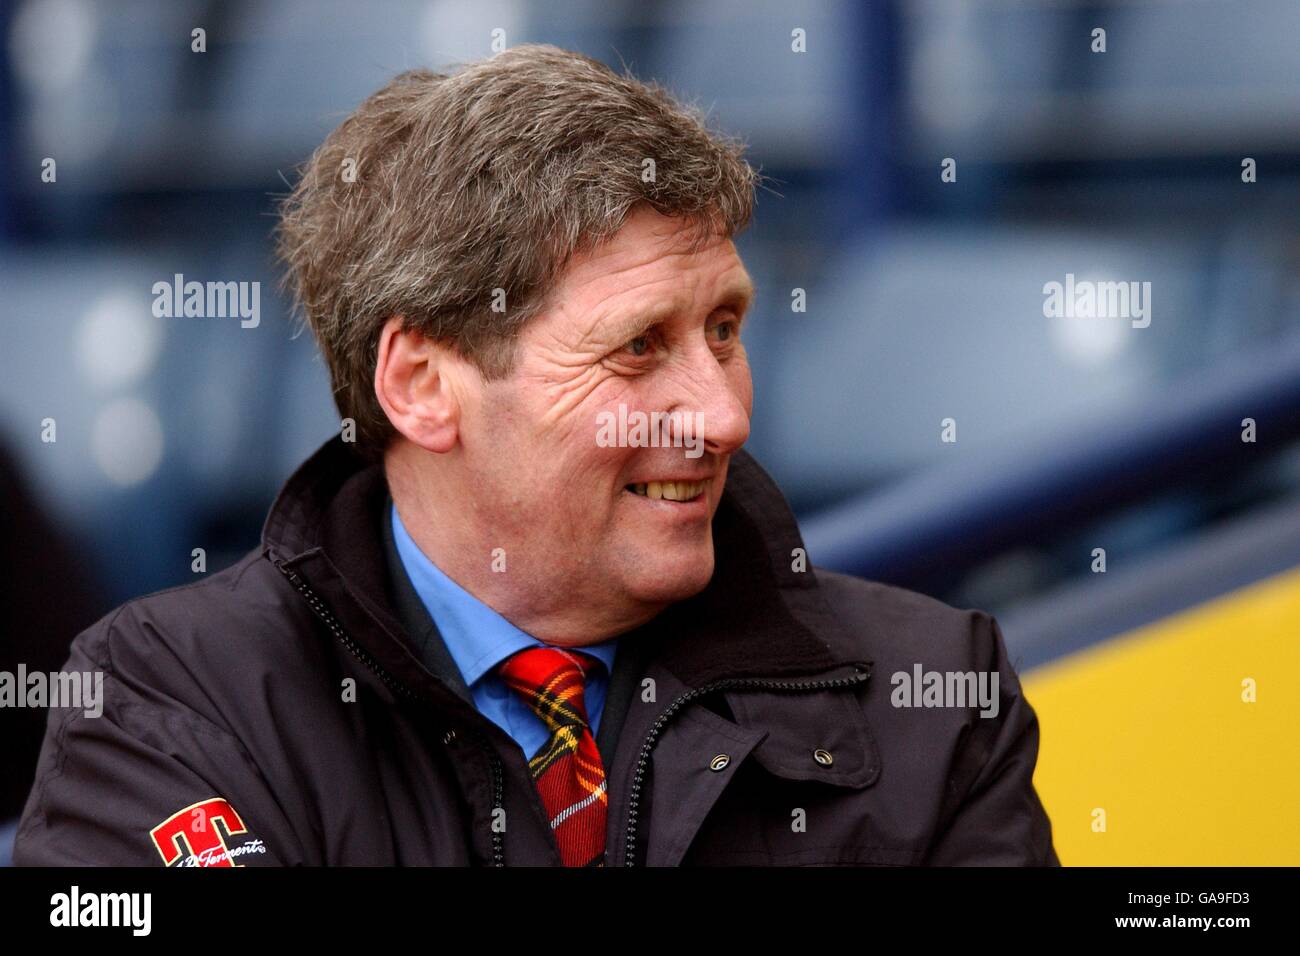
(479, 639)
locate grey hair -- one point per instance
(441, 188)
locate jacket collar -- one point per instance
(760, 615)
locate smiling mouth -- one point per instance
(669, 490)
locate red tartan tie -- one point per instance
(567, 769)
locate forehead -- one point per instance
(650, 254)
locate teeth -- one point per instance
(670, 490)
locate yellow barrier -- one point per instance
(1151, 753)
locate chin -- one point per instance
(669, 577)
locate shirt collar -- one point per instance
(477, 637)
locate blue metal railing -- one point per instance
(953, 515)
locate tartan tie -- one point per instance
(566, 769)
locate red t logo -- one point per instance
(194, 830)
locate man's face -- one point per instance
(644, 323)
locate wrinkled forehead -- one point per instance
(655, 254)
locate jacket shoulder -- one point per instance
(231, 602)
(190, 642)
(896, 626)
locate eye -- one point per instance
(643, 345)
(726, 331)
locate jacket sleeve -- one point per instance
(147, 781)
(995, 817)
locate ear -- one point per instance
(414, 384)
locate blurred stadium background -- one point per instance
(924, 302)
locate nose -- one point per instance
(721, 406)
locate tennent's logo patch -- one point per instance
(198, 835)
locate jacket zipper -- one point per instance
(326, 616)
(728, 683)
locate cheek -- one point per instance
(565, 454)
(541, 432)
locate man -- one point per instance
(510, 624)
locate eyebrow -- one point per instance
(735, 295)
